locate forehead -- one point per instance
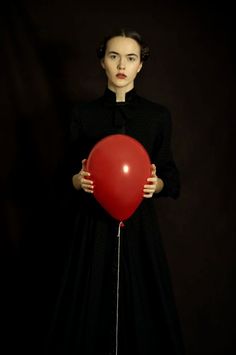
(123, 45)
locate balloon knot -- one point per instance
(121, 225)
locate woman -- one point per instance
(85, 317)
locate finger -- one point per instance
(147, 195)
(148, 191)
(84, 173)
(154, 169)
(86, 182)
(152, 179)
(88, 189)
(149, 187)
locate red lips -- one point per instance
(120, 76)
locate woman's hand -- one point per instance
(81, 181)
(154, 185)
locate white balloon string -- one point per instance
(118, 285)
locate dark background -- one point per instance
(47, 63)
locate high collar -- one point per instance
(110, 97)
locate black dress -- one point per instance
(84, 320)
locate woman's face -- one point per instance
(122, 62)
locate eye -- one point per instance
(113, 56)
(132, 58)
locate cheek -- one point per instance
(109, 72)
(110, 69)
(135, 72)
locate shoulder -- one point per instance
(87, 106)
(84, 111)
(155, 109)
(156, 106)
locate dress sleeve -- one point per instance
(71, 162)
(165, 164)
(76, 142)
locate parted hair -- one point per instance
(129, 33)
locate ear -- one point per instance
(140, 67)
(102, 63)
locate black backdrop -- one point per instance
(47, 62)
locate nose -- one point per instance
(121, 64)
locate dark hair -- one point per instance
(145, 51)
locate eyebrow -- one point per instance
(129, 54)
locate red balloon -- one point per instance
(119, 166)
